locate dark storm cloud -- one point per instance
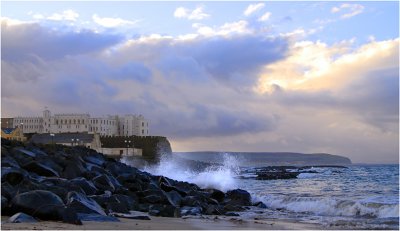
(236, 60)
(24, 40)
(208, 121)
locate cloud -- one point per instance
(264, 17)
(363, 81)
(227, 29)
(196, 14)
(21, 41)
(113, 22)
(68, 15)
(252, 8)
(216, 57)
(352, 10)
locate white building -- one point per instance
(127, 125)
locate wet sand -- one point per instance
(163, 223)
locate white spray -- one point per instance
(218, 177)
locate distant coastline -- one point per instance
(268, 158)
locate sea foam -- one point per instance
(220, 177)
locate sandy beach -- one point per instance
(163, 223)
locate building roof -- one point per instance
(62, 138)
(8, 130)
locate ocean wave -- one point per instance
(222, 177)
(331, 206)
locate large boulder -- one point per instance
(216, 194)
(38, 203)
(22, 218)
(40, 169)
(164, 211)
(87, 186)
(94, 158)
(73, 169)
(174, 198)
(239, 197)
(106, 182)
(83, 204)
(8, 161)
(190, 211)
(12, 175)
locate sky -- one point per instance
(311, 77)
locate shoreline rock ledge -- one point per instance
(76, 184)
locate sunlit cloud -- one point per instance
(317, 66)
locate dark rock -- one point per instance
(117, 207)
(96, 169)
(212, 201)
(24, 152)
(152, 186)
(8, 191)
(214, 210)
(118, 168)
(129, 201)
(101, 199)
(87, 186)
(164, 180)
(276, 175)
(96, 217)
(191, 201)
(94, 158)
(164, 211)
(83, 204)
(239, 197)
(4, 203)
(8, 161)
(190, 211)
(22, 218)
(144, 207)
(217, 194)
(12, 175)
(40, 169)
(106, 182)
(70, 215)
(174, 198)
(127, 178)
(133, 215)
(153, 199)
(73, 169)
(232, 207)
(168, 188)
(260, 205)
(231, 214)
(38, 203)
(133, 187)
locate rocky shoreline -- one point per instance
(75, 184)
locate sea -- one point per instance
(356, 197)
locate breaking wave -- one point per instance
(220, 177)
(332, 207)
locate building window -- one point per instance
(142, 131)
(142, 124)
